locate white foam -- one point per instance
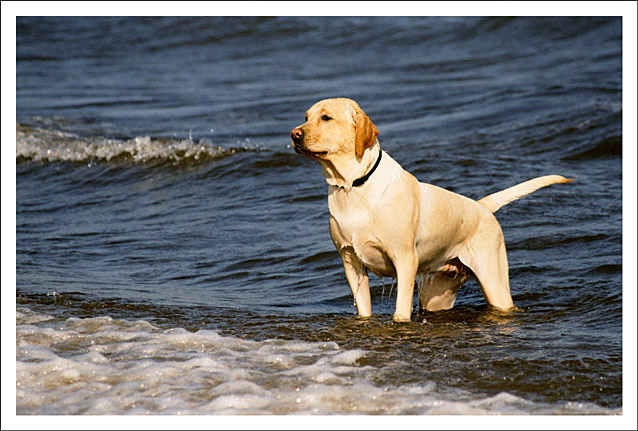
(56, 146)
(112, 366)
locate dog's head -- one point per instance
(334, 127)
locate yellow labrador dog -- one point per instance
(383, 220)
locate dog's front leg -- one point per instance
(406, 266)
(357, 276)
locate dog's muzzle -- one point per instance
(297, 136)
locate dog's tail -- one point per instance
(496, 200)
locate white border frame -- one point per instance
(627, 10)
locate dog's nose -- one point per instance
(296, 134)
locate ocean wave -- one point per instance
(610, 146)
(102, 365)
(47, 145)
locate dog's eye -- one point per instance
(326, 118)
(305, 118)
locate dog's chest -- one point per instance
(350, 212)
(353, 227)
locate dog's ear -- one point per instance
(365, 133)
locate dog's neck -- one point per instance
(345, 171)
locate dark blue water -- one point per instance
(160, 208)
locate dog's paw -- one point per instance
(400, 318)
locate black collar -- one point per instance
(360, 181)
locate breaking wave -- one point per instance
(46, 145)
(102, 365)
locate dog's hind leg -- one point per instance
(438, 291)
(488, 261)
